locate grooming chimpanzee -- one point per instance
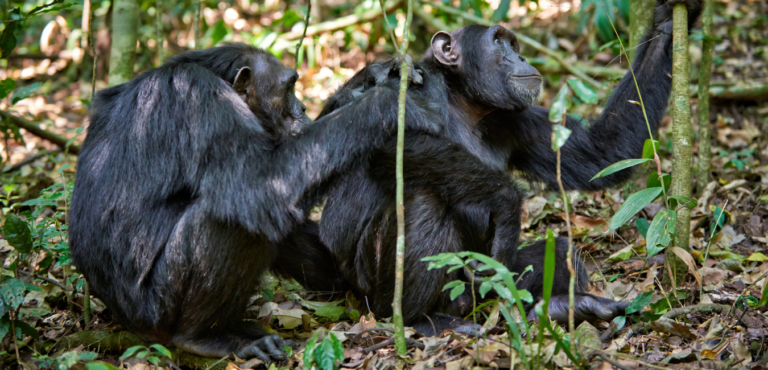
(190, 185)
(459, 195)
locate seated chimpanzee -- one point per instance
(190, 184)
(458, 192)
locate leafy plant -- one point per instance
(326, 355)
(153, 354)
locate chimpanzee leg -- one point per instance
(587, 307)
(204, 291)
(302, 256)
(430, 230)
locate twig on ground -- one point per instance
(410, 342)
(33, 129)
(30, 159)
(606, 357)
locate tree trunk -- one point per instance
(640, 15)
(122, 55)
(705, 155)
(682, 133)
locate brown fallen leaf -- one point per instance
(671, 327)
(711, 276)
(482, 356)
(688, 260)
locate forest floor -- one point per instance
(710, 320)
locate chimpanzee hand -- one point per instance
(588, 308)
(662, 15)
(267, 348)
(380, 72)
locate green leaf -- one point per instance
(98, 365)
(560, 135)
(485, 287)
(619, 322)
(549, 267)
(5, 325)
(453, 284)
(31, 331)
(679, 200)
(7, 38)
(24, 92)
(618, 166)
(18, 234)
(719, 217)
(654, 182)
(218, 33)
(309, 352)
(12, 292)
(330, 312)
(585, 92)
(757, 257)
(761, 303)
(642, 300)
(559, 106)
(131, 351)
(326, 353)
(457, 291)
(6, 86)
(338, 348)
(648, 147)
(632, 205)
(501, 12)
(642, 226)
(622, 255)
(661, 231)
(161, 350)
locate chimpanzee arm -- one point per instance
(265, 192)
(618, 134)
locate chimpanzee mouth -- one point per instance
(536, 76)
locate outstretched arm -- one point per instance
(618, 134)
(266, 190)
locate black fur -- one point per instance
(458, 194)
(189, 186)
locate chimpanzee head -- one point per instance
(487, 65)
(260, 79)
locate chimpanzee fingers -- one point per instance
(590, 307)
(273, 344)
(267, 347)
(253, 351)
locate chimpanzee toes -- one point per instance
(439, 322)
(267, 348)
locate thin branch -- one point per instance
(34, 129)
(340, 23)
(303, 35)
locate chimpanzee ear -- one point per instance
(443, 49)
(243, 79)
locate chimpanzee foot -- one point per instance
(436, 323)
(587, 308)
(266, 348)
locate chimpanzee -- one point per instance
(190, 185)
(459, 195)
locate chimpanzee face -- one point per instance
(268, 88)
(489, 66)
